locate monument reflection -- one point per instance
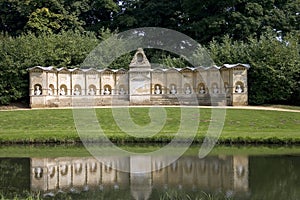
(142, 175)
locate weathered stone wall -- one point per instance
(225, 85)
(227, 172)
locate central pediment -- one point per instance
(139, 61)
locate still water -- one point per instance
(214, 177)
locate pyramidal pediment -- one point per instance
(140, 60)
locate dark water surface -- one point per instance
(214, 177)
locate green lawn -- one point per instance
(241, 126)
(283, 107)
(26, 151)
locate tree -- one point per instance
(54, 15)
(155, 13)
(67, 49)
(275, 65)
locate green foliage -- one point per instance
(112, 51)
(236, 31)
(66, 49)
(275, 65)
(239, 19)
(54, 15)
(169, 61)
(45, 21)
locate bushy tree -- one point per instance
(275, 65)
(67, 49)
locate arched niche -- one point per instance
(202, 167)
(216, 167)
(38, 173)
(38, 90)
(201, 88)
(240, 171)
(239, 87)
(77, 168)
(63, 90)
(108, 168)
(122, 90)
(157, 89)
(77, 90)
(173, 89)
(64, 169)
(226, 88)
(139, 57)
(187, 89)
(174, 166)
(215, 88)
(92, 90)
(51, 90)
(188, 167)
(51, 171)
(93, 167)
(107, 89)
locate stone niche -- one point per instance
(140, 85)
(140, 79)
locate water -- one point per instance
(214, 177)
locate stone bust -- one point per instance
(122, 91)
(62, 91)
(76, 92)
(91, 91)
(157, 90)
(215, 89)
(37, 91)
(238, 89)
(50, 92)
(202, 90)
(106, 91)
(188, 90)
(173, 90)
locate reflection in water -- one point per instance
(228, 174)
(239, 177)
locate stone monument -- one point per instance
(140, 85)
(140, 79)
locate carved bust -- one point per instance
(76, 92)
(157, 90)
(37, 91)
(122, 91)
(173, 90)
(202, 90)
(107, 92)
(92, 92)
(215, 89)
(188, 90)
(238, 89)
(62, 91)
(50, 92)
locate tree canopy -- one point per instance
(202, 20)
(262, 33)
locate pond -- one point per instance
(227, 173)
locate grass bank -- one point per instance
(240, 126)
(50, 151)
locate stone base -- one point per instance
(240, 99)
(139, 99)
(125, 100)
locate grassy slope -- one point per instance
(79, 150)
(57, 125)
